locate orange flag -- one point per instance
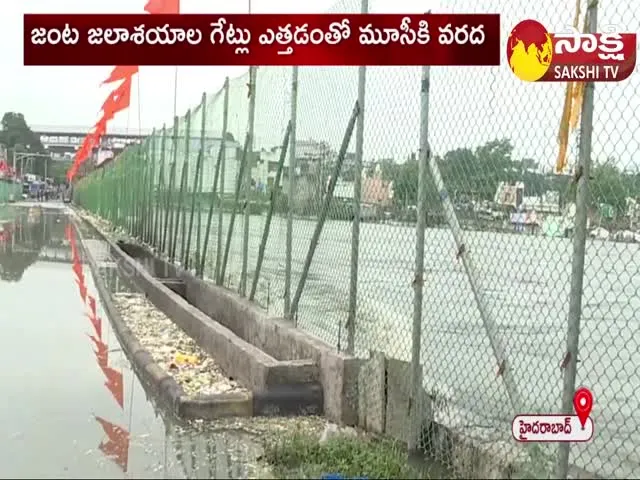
(77, 268)
(83, 290)
(85, 149)
(72, 172)
(114, 384)
(118, 100)
(571, 108)
(162, 7)
(97, 324)
(100, 128)
(121, 72)
(102, 352)
(117, 445)
(92, 305)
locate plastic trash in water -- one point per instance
(184, 359)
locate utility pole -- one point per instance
(29, 156)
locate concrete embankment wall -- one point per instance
(275, 360)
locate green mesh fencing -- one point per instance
(474, 276)
(10, 191)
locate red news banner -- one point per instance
(325, 39)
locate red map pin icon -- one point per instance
(582, 404)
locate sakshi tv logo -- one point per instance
(537, 55)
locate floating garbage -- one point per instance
(172, 349)
(184, 359)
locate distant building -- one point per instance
(312, 158)
(509, 195)
(375, 192)
(233, 154)
(265, 169)
(633, 211)
(344, 190)
(548, 202)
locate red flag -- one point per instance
(160, 7)
(77, 266)
(88, 143)
(114, 384)
(84, 151)
(90, 140)
(73, 170)
(117, 100)
(100, 128)
(74, 248)
(92, 305)
(102, 352)
(117, 445)
(97, 324)
(83, 289)
(121, 72)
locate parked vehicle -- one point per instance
(67, 194)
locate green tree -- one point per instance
(19, 138)
(405, 180)
(16, 133)
(611, 186)
(58, 170)
(475, 174)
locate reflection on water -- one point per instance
(116, 446)
(73, 405)
(24, 237)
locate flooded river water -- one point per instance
(73, 407)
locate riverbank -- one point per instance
(292, 446)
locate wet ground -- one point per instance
(73, 408)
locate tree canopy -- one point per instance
(474, 174)
(16, 134)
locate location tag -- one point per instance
(582, 404)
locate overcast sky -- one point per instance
(468, 105)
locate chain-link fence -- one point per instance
(9, 191)
(464, 253)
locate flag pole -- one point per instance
(175, 92)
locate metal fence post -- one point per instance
(291, 190)
(247, 185)
(415, 413)
(159, 228)
(184, 189)
(324, 210)
(196, 191)
(234, 209)
(212, 201)
(583, 170)
(168, 229)
(267, 221)
(151, 192)
(357, 201)
(223, 147)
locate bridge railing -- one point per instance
(404, 227)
